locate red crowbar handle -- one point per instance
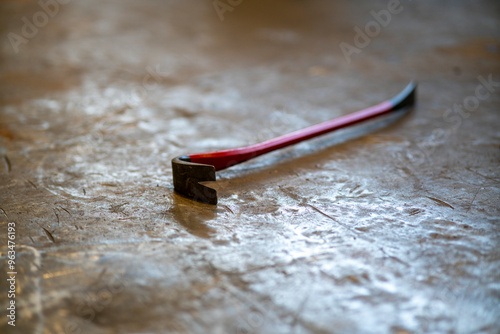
(189, 170)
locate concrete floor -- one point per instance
(396, 231)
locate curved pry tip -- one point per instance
(187, 177)
(406, 97)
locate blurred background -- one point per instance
(395, 231)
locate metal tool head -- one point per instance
(187, 177)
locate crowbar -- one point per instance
(189, 170)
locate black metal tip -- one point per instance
(406, 98)
(187, 177)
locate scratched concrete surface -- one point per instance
(394, 231)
